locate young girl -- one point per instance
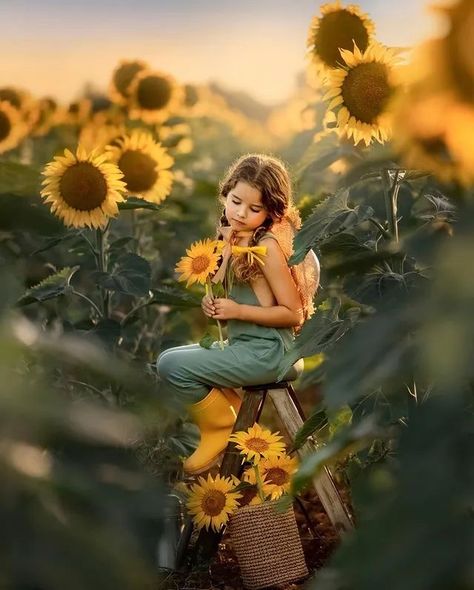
(266, 306)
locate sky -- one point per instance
(53, 47)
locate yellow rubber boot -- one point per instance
(215, 416)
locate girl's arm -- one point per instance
(287, 313)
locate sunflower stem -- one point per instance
(391, 201)
(258, 479)
(74, 292)
(102, 235)
(219, 327)
(91, 246)
(391, 190)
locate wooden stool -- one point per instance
(291, 416)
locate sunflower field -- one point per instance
(99, 198)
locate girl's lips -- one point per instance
(239, 222)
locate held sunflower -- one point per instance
(145, 165)
(211, 501)
(337, 28)
(83, 189)
(360, 93)
(122, 77)
(258, 443)
(154, 96)
(201, 261)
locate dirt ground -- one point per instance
(224, 573)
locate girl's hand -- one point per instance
(207, 305)
(226, 309)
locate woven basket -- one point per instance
(267, 545)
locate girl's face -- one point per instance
(243, 207)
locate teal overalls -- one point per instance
(252, 355)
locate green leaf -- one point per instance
(206, 341)
(53, 286)
(19, 179)
(330, 217)
(315, 422)
(319, 333)
(348, 441)
(28, 214)
(174, 297)
(131, 275)
(137, 203)
(107, 331)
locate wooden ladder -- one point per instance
(292, 418)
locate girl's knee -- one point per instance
(164, 364)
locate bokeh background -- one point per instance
(255, 47)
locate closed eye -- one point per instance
(238, 203)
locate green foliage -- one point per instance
(53, 286)
(130, 274)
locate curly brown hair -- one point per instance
(269, 175)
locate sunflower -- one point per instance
(455, 55)
(276, 473)
(435, 133)
(83, 188)
(154, 96)
(257, 443)
(144, 164)
(249, 493)
(338, 28)
(361, 92)
(97, 135)
(122, 77)
(211, 501)
(12, 127)
(78, 111)
(47, 109)
(201, 261)
(16, 97)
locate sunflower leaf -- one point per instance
(131, 275)
(19, 179)
(53, 286)
(206, 341)
(347, 441)
(319, 333)
(137, 203)
(315, 422)
(330, 217)
(174, 298)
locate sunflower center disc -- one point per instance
(277, 476)
(138, 170)
(124, 75)
(248, 494)
(5, 126)
(10, 96)
(213, 502)
(366, 90)
(153, 93)
(200, 263)
(436, 147)
(257, 444)
(83, 186)
(336, 30)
